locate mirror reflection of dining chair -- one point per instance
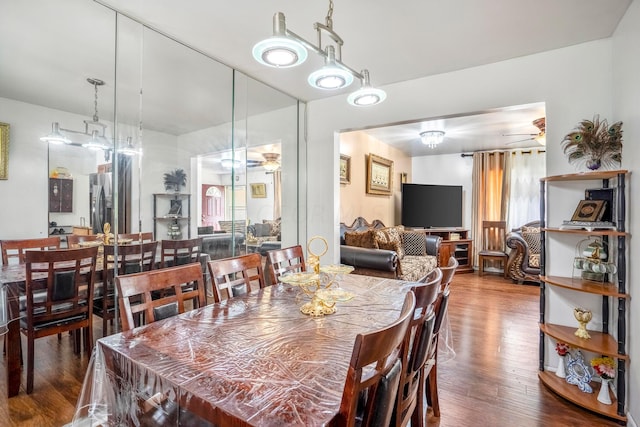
(180, 252)
(66, 303)
(159, 294)
(130, 259)
(236, 275)
(13, 251)
(373, 376)
(494, 242)
(284, 261)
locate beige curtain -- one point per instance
(490, 193)
(277, 194)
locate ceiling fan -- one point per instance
(270, 163)
(538, 137)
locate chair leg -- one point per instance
(417, 418)
(30, 363)
(480, 266)
(76, 341)
(433, 390)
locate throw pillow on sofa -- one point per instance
(414, 243)
(361, 239)
(389, 238)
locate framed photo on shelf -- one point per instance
(589, 210)
(345, 169)
(379, 175)
(259, 190)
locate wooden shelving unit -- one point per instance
(614, 296)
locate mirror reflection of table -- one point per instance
(254, 359)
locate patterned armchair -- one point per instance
(523, 264)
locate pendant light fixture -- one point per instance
(97, 139)
(287, 49)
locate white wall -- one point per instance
(448, 169)
(626, 107)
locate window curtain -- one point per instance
(524, 168)
(277, 194)
(490, 193)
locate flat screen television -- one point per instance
(431, 206)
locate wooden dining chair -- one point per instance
(429, 388)
(159, 294)
(415, 349)
(283, 261)
(180, 252)
(448, 271)
(142, 237)
(233, 276)
(494, 241)
(374, 373)
(59, 293)
(13, 251)
(129, 259)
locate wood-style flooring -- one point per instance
(490, 382)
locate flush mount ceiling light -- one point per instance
(432, 138)
(287, 49)
(271, 163)
(230, 163)
(97, 139)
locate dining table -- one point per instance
(254, 359)
(12, 284)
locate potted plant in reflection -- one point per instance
(175, 180)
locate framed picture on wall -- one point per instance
(345, 169)
(4, 150)
(379, 175)
(259, 190)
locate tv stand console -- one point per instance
(455, 243)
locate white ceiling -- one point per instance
(395, 41)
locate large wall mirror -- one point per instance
(166, 108)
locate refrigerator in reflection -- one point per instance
(101, 199)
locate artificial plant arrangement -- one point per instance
(175, 180)
(594, 143)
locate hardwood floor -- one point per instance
(491, 381)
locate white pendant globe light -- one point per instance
(331, 76)
(279, 51)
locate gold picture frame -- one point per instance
(259, 190)
(379, 175)
(4, 151)
(345, 169)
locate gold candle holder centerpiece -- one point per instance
(583, 316)
(319, 283)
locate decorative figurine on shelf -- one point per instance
(583, 317)
(174, 231)
(175, 180)
(578, 373)
(594, 143)
(606, 369)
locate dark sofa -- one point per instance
(385, 262)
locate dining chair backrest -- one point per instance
(133, 258)
(449, 271)
(180, 252)
(236, 275)
(283, 261)
(75, 241)
(143, 237)
(159, 294)
(430, 369)
(13, 251)
(372, 373)
(414, 348)
(59, 287)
